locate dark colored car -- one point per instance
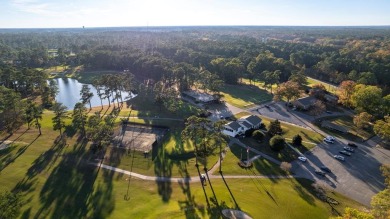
(352, 144)
(326, 169)
(319, 172)
(345, 153)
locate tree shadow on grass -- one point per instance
(163, 168)
(304, 189)
(191, 208)
(230, 192)
(262, 165)
(70, 190)
(10, 157)
(45, 159)
(258, 181)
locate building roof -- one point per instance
(199, 96)
(246, 124)
(234, 125)
(252, 119)
(306, 101)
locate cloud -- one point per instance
(40, 7)
(32, 6)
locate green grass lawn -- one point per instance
(56, 181)
(88, 77)
(347, 121)
(261, 166)
(58, 184)
(244, 96)
(289, 131)
(259, 84)
(329, 87)
(355, 134)
(176, 158)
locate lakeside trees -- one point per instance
(60, 114)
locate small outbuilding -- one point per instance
(305, 103)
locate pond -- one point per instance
(69, 93)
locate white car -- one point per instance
(329, 140)
(339, 157)
(301, 158)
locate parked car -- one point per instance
(352, 144)
(345, 153)
(328, 140)
(349, 149)
(339, 157)
(319, 172)
(303, 159)
(266, 106)
(326, 169)
(328, 112)
(330, 137)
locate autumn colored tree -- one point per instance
(350, 213)
(362, 120)
(286, 166)
(319, 91)
(318, 108)
(382, 128)
(289, 90)
(345, 92)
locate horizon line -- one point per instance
(168, 26)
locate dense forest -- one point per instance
(331, 54)
(176, 58)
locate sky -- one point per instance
(119, 13)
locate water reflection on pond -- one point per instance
(69, 93)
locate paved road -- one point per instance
(187, 179)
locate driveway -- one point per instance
(358, 177)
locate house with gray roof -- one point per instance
(305, 103)
(242, 125)
(253, 120)
(233, 129)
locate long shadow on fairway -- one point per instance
(71, 191)
(231, 194)
(163, 168)
(10, 158)
(189, 206)
(257, 181)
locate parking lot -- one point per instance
(278, 110)
(358, 176)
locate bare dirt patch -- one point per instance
(140, 137)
